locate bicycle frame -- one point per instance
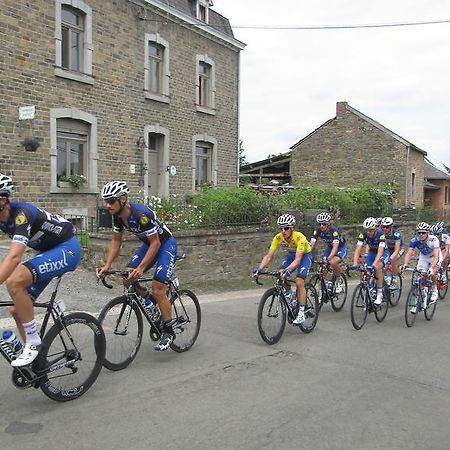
(134, 297)
(367, 282)
(278, 284)
(34, 374)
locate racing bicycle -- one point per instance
(122, 322)
(71, 355)
(419, 298)
(333, 291)
(275, 307)
(364, 297)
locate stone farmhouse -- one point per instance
(437, 190)
(139, 90)
(352, 148)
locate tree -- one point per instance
(242, 157)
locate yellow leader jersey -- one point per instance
(297, 243)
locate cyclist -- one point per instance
(376, 253)
(299, 257)
(430, 256)
(444, 243)
(58, 252)
(335, 251)
(394, 243)
(158, 247)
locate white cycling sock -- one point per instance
(31, 333)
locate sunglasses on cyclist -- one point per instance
(285, 228)
(323, 224)
(385, 226)
(422, 232)
(111, 201)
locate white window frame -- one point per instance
(211, 107)
(85, 74)
(202, 4)
(92, 155)
(164, 96)
(214, 169)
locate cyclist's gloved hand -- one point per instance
(369, 267)
(354, 266)
(256, 272)
(286, 273)
(430, 272)
(403, 267)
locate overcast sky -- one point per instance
(292, 79)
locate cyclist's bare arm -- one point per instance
(113, 253)
(11, 260)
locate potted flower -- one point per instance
(72, 180)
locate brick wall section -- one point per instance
(349, 150)
(27, 57)
(220, 254)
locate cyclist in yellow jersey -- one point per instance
(298, 257)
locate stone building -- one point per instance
(352, 148)
(437, 191)
(141, 90)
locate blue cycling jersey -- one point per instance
(375, 241)
(393, 238)
(143, 223)
(35, 227)
(329, 236)
(426, 248)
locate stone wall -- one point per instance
(116, 98)
(220, 254)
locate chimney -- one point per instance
(341, 109)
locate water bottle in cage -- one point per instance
(152, 309)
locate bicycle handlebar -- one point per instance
(273, 273)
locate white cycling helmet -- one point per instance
(370, 223)
(423, 226)
(114, 189)
(387, 221)
(437, 229)
(323, 217)
(286, 220)
(6, 185)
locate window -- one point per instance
(204, 161)
(156, 68)
(205, 87)
(203, 10)
(447, 195)
(73, 142)
(71, 153)
(72, 23)
(413, 187)
(202, 164)
(73, 40)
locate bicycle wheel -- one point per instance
(442, 286)
(338, 299)
(430, 309)
(123, 327)
(359, 307)
(316, 282)
(186, 309)
(381, 310)
(311, 310)
(396, 291)
(73, 356)
(271, 316)
(412, 301)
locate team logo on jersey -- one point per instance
(21, 219)
(144, 220)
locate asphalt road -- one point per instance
(385, 386)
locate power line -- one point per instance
(334, 27)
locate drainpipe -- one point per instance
(407, 196)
